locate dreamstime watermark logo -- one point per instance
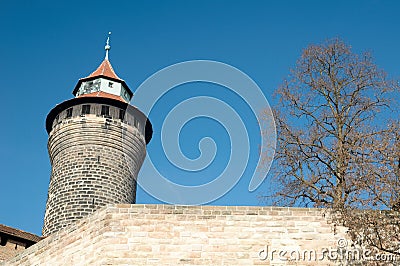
(155, 88)
(342, 252)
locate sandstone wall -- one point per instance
(10, 249)
(95, 161)
(188, 235)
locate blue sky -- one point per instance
(46, 46)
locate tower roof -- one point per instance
(104, 70)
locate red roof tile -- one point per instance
(105, 69)
(19, 233)
(103, 95)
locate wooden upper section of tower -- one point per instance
(103, 82)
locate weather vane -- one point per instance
(107, 47)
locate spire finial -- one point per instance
(107, 47)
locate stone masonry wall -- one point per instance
(95, 162)
(10, 249)
(187, 235)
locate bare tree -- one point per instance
(378, 224)
(333, 150)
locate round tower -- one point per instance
(97, 144)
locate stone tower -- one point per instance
(97, 144)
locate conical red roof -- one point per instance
(105, 69)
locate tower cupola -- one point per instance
(103, 81)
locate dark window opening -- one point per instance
(69, 113)
(3, 240)
(85, 109)
(105, 110)
(121, 114)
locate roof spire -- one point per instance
(107, 47)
